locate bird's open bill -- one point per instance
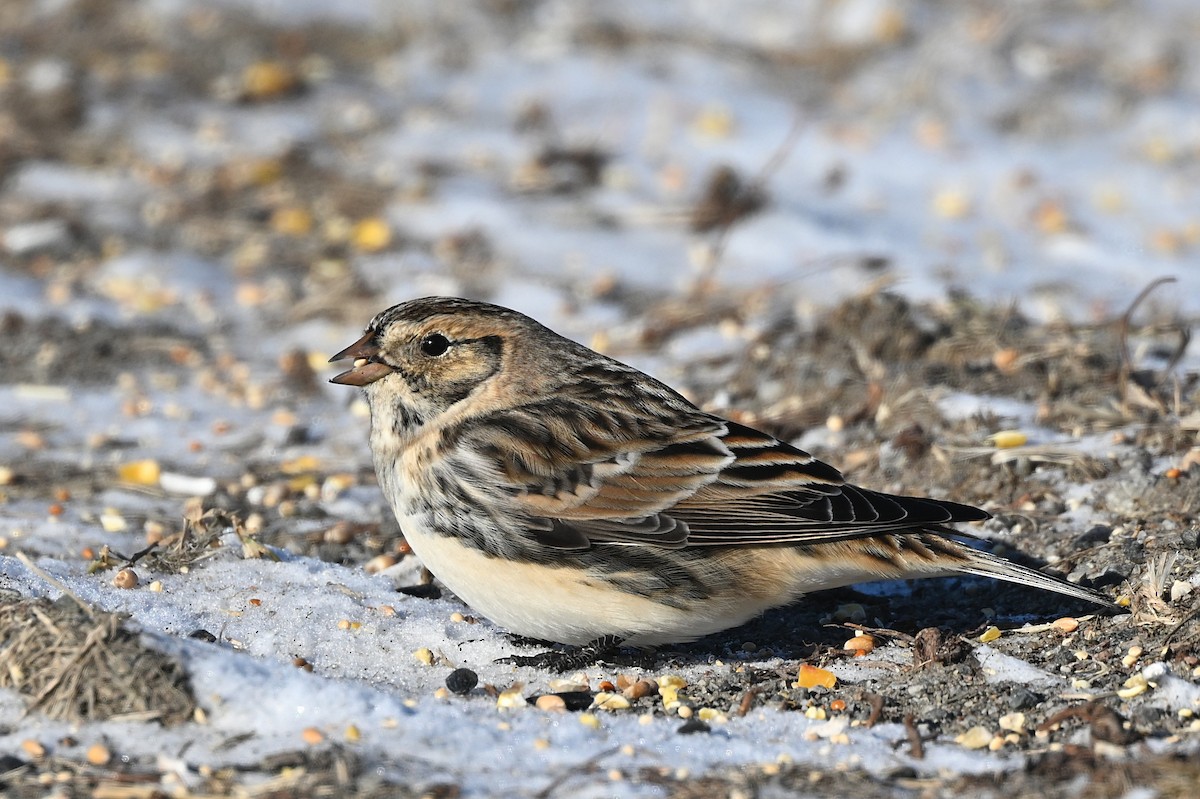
(367, 369)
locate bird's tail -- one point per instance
(985, 564)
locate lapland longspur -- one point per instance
(571, 498)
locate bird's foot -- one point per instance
(561, 660)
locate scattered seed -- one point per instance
(989, 635)
(145, 472)
(975, 738)
(573, 701)
(98, 754)
(952, 203)
(424, 654)
(562, 685)
(551, 702)
(1005, 360)
(371, 235)
(1066, 624)
(1131, 656)
(860, 644)
(590, 720)
(1007, 439)
(811, 677)
(32, 748)
(639, 689)
(379, 563)
(1134, 686)
(510, 699)
(1013, 722)
(312, 736)
(125, 578)
(610, 701)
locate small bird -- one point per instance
(571, 498)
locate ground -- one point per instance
(925, 241)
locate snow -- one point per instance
(644, 110)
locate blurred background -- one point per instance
(285, 166)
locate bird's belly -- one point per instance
(567, 604)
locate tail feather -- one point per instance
(985, 564)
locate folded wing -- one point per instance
(584, 475)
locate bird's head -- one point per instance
(421, 359)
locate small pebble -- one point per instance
(693, 725)
(462, 681)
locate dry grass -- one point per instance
(79, 665)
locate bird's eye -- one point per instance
(435, 344)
